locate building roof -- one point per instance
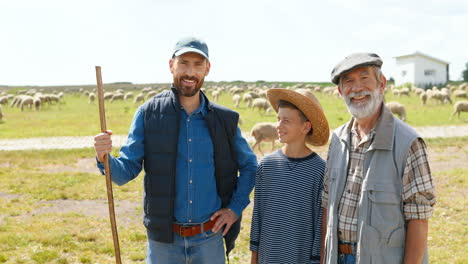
(417, 53)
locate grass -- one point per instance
(75, 117)
(29, 236)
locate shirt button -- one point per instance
(190, 160)
(189, 140)
(188, 119)
(190, 181)
(190, 220)
(190, 201)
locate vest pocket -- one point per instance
(385, 212)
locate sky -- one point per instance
(58, 42)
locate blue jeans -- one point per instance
(204, 248)
(346, 259)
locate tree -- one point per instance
(465, 73)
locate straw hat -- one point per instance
(310, 106)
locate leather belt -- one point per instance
(192, 230)
(345, 249)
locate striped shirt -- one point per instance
(418, 189)
(286, 220)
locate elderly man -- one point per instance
(199, 169)
(378, 189)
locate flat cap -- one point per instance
(354, 61)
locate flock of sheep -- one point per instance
(442, 96)
(253, 96)
(28, 99)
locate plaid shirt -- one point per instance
(418, 189)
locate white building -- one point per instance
(421, 70)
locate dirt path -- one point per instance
(119, 140)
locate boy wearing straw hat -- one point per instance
(286, 221)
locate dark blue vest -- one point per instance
(161, 126)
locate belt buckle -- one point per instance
(181, 230)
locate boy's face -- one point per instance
(290, 126)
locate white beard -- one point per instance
(365, 109)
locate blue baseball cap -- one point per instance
(191, 44)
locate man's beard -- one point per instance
(365, 109)
(186, 91)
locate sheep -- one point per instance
(418, 91)
(456, 93)
(108, 95)
(236, 98)
(404, 91)
(247, 98)
(261, 104)
(37, 102)
(264, 132)
(423, 97)
(397, 109)
(91, 98)
(117, 96)
(139, 98)
(26, 101)
(16, 101)
(128, 96)
(460, 106)
(3, 100)
(215, 95)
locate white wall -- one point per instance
(423, 64)
(404, 65)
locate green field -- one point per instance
(75, 117)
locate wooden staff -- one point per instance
(110, 197)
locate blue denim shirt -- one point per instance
(196, 195)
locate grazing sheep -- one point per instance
(396, 92)
(26, 101)
(128, 96)
(458, 107)
(247, 98)
(397, 109)
(404, 91)
(456, 93)
(446, 97)
(53, 98)
(418, 91)
(108, 95)
(91, 98)
(261, 104)
(264, 132)
(37, 102)
(139, 98)
(16, 101)
(117, 96)
(3, 100)
(236, 98)
(423, 97)
(215, 95)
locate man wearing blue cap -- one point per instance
(199, 169)
(378, 191)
